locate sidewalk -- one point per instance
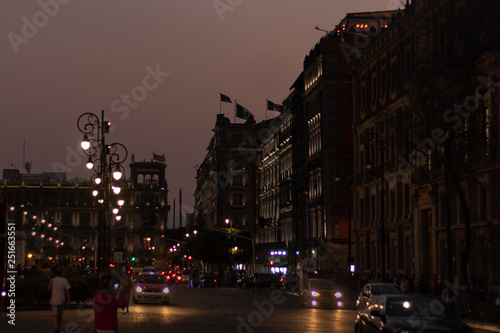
(483, 326)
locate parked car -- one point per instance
(185, 278)
(321, 293)
(409, 313)
(371, 290)
(208, 281)
(263, 280)
(151, 287)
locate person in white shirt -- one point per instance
(59, 295)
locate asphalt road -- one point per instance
(206, 310)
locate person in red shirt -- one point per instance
(106, 305)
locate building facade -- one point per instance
(57, 220)
(426, 123)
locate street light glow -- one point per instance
(85, 143)
(90, 163)
(117, 174)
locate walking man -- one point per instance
(59, 296)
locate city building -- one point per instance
(426, 139)
(228, 180)
(275, 236)
(57, 220)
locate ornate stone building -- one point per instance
(57, 219)
(426, 120)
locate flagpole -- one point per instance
(265, 117)
(235, 105)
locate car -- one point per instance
(321, 293)
(147, 269)
(208, 281)
(185, 278)
(409, 313)
(263, 280)
(151, 287)
(371, 290)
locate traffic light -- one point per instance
(189, 258)
(271, 262)
(133, 257)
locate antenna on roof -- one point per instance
(325, 31)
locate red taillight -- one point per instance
(179, 277)
(215, 280)
(168, 277)
(281, 280)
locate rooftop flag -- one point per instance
(224, 98)
(243, 113)
(274, 107)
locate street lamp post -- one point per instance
(376, 141)
(348, 160)
(105, 160)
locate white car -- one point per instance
(151, 287)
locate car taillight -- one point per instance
(179, 277)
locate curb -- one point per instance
(483, 326)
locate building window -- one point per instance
(394, 74)
(406, 195)
(362, 212)
(372, 208)
(483, 203)
(237, 180)
(383, 79)
(146, 243)
(393, 203)
(237, 199)
(374, 87)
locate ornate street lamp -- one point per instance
(105, 160)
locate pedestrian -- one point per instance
(405, 284)
(59, 296)
(106, 304)
(126, 283)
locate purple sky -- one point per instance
(65, 58)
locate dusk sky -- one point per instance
(62, 58)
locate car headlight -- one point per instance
(138, 289)
(338, 294)
(166, 290)
(314, 294)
